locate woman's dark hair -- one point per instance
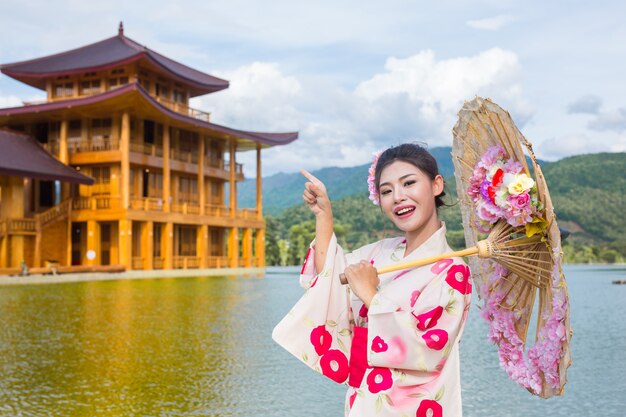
(415, 155)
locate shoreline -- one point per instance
(41, 279)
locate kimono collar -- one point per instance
(434, 245)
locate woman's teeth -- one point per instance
(404, 210)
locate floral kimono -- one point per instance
(400, 358)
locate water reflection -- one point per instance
(202, 346)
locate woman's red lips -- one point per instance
(403, 210)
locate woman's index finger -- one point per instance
(309, 176)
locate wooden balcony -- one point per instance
(18, 227)
(95, 144)
(218, 262)
(147, 149)
(98, 202)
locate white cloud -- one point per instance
(491, 23)
(414, 98)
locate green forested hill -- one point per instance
(587, 192)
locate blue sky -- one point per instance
(356, 76)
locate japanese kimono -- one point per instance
(400, 358)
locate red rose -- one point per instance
(497, 178)
(335, 366)
(321, 339)
(436, 339)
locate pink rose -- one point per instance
(520, 201)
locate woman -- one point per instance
(393, 338)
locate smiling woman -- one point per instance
(392, 338)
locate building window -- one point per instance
(64, 90)
(187, 190)
(100, 129)
(179, 96)
(90, 87)
(102, 177)
(117, 82)
(187, 240)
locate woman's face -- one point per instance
(407, 196)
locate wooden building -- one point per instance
(119, 113)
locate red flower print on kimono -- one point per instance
(321, 339)
(441, 266)
(458, 277)
(436, 339)
(379, 379)
(334, 365)
(379, 345)
(429, 408)
(414, 295)
(363, 311)
(429, 319)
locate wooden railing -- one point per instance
(94, 144)
(238, 167)
(147, 148)
(158, 262)
(18, 227)
(137, 262)
(184, 156)
(97, 202)
(146, 203)
(218, 262)
(186, 208)
(60, 211)
(186, 262)
(216, 210)
(184, 109)
(247, 213)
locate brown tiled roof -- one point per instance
(269, 139)
(23, 156)
(106, 54)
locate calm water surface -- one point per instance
(202, 347)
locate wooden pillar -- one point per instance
(167, 249)
(233, 247)
(201, 190)
(68, 243)
(4, 252)
(93, 242)
(247, 247)
(12, 207)
(259, 184)
(125, 243)
(147, 245)
(202, 246)
(259, 250)
(233, 179)
(64, 156)
(166, 169)
(125, 151)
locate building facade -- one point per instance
(119, 113)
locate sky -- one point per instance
(353, 77)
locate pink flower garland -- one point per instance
(489, 191)
(371, 179)
(544, 357)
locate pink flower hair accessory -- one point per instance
(371, 179)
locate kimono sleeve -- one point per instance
(317, 329)
(421, 338)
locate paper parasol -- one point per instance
(501, 196)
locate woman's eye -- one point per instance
(410, 182)
(385, 192)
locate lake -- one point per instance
(203, 347)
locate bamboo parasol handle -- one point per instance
(479, 249)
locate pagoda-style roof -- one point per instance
(107, 54)
(23, 156)
(132, 97)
